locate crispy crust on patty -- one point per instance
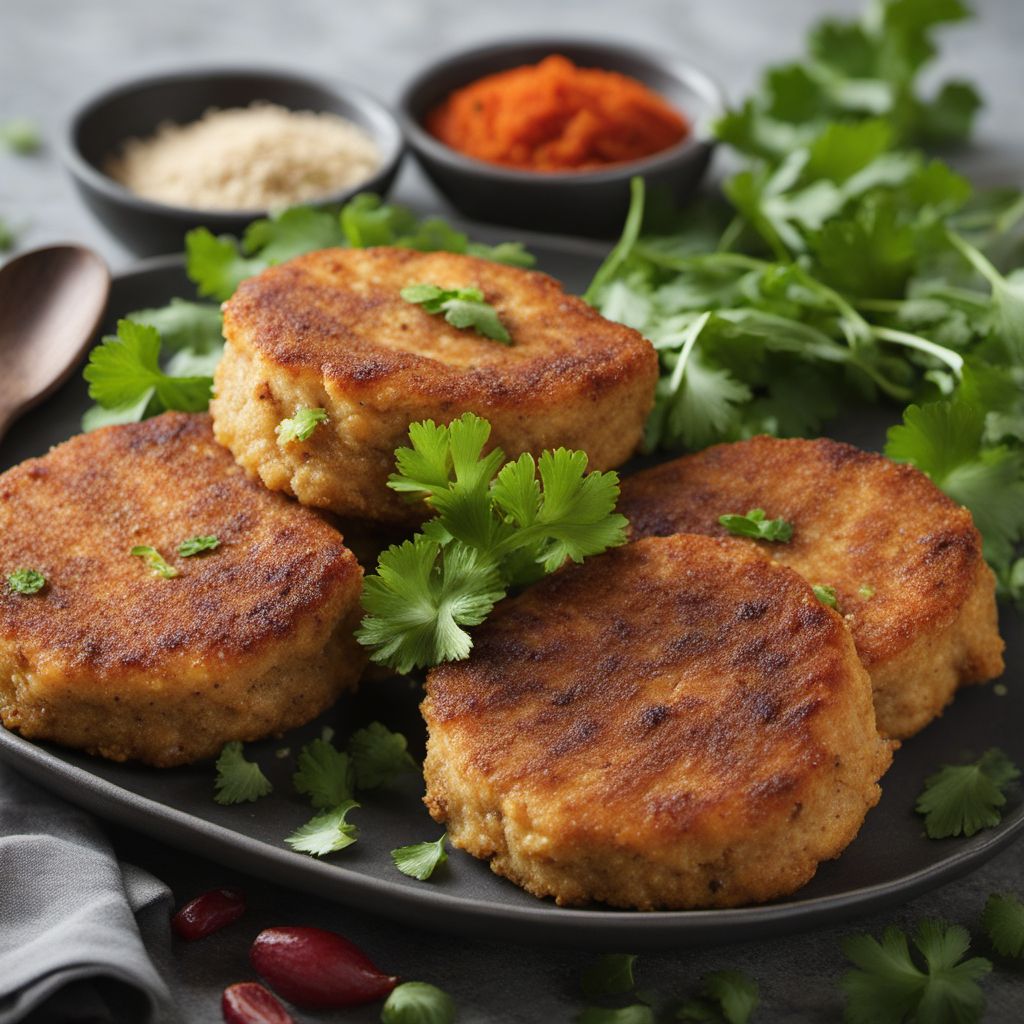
(330, 330)
(676, 723)
(928, 622)
(249, 640)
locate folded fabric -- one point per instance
(70, 916)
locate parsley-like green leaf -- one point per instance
(326, 833)
(26, 581)
(727, 997)
(1003, 919)
(185, 326)
(421, 859)
(20, 136)
(416, 1002)
(513, 254)
(378, 755)
(324, 774)
(638, 1013)
(890, 987)
(155, 562)
(238, 780)
(197, 545)
(462, 308)
(609, 975)
(754, 524)
(420, 598)
(215, 264)
(826, 594)
(300, 427)
(124, 372)
(292, 232)
(960, 800)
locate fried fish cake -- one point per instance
(676, 723)
(249, 639)
(904, 559)
(330, 330)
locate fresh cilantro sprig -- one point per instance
(416, 1002)
(238, 780)
(324, 774)
(497, 524)
(420, 860)
(890, 985)
(26, 581)
(726, 997)
(754, 524)
(378, 755)
(960, 800)
(299, 427)
(155, 562)
(826, 594)
(1003, 920)
(326, 833)
(462, 308)
(197, 545)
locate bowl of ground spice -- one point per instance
(220, 148)
(546, 133)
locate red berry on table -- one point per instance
(208, 913)
(250, 1003)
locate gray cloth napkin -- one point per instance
(74, 923)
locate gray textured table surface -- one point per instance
(54, 51)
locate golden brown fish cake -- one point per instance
(905, 560)
(249, 640)
(675, 723)
(330, 330)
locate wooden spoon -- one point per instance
(51, 302)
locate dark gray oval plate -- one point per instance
(890, 861)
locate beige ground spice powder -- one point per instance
(250, 158)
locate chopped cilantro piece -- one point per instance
(238, 780)
(26, 581)
(196, 545)
(324, 774)
(416, 1002)
(156, 562)
(378, 755)
(20, 136)
(960, 800)
(890, 986)
(300, 427)
(754, 524)
(826, 594)
(609, 975)
(727, 997)
(462, 307)
(216, 265)
(1003, 919)
(420, 860)
(326, 833)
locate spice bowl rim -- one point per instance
(690, 76)
(386, 132)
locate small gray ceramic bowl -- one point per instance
(573, 202)
(99, 126)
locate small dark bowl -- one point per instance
(96, 130)
(590, 202)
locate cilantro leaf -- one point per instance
(513, 254)
(420, 598)
(238, 780)
(421, 859)
(826, 594)
(1003, 919)
(462, 308)
(889, 986)
(26, 581)
(292, 232)
(609, 975)
(960, 800)
(124, 374)
(299, 427)
(727, 997)
(197, 545)
(324, 774)
(156, 562)
(215, 264)
(326, 833)
(20, 136)
(192, 326)
(638, 1013)
(754, 524)
(378, 755)
(416, 1002)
